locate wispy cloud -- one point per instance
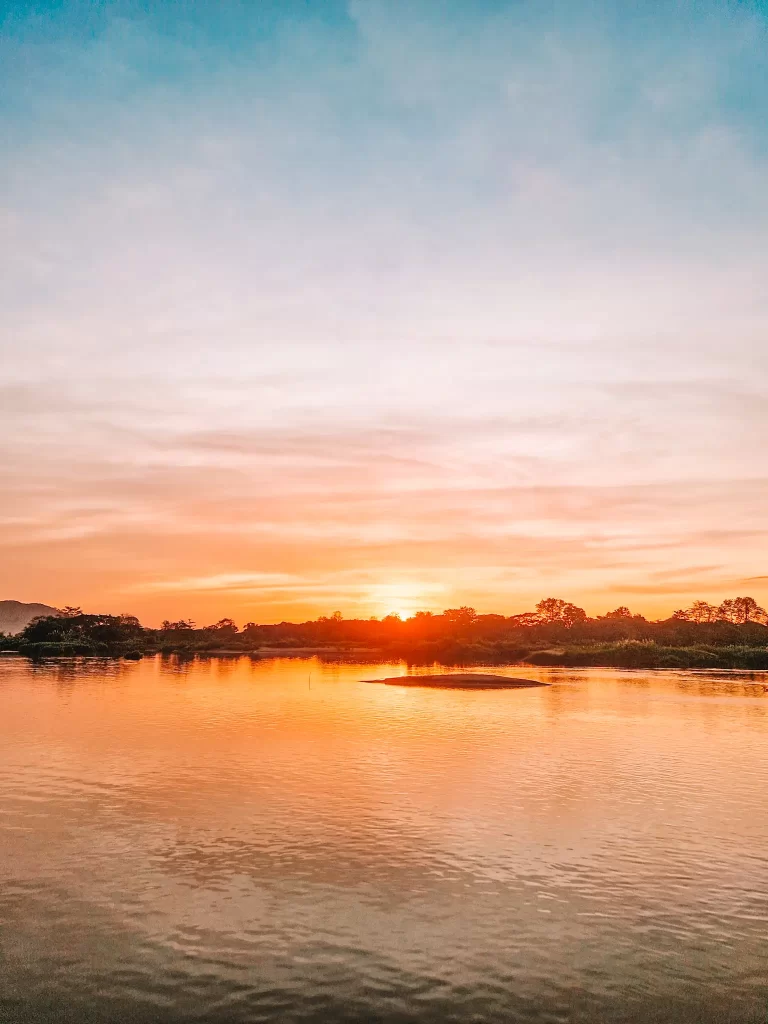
(475, 298)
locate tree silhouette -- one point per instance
(702, 611)
(746, 609)
(554, 609)
(225, 627)
(622, 612)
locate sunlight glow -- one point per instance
(402, 613)
(405, 599)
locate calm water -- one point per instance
(226, 842)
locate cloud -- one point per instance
(479, 293)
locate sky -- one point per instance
(382, 306)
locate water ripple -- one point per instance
(218, 842)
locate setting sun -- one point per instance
(404, 598)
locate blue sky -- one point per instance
(382, 303)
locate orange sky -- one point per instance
(362, 526)
(395, 316)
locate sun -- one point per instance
(401, 598)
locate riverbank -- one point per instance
(621, 654)
(638, 654)
(457, 637)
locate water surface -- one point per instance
(278, 841)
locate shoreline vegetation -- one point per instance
(731, 635)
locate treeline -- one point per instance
(72, 632)
(731, 634)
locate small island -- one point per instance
(461, 681)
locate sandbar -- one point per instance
(461, 681)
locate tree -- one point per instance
(741, 610)
(727, 610)
(70, 611)
(253, 632)
(572, 614)
(181, 624)
(94, 632)
(336, 617)
(224, 627)
(702, 611)
(746, 609)
(550, 609)
(459, 621)
(463, 616)
(524, 620)
(622, 612)
(554, 609)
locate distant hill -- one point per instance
(14, 615)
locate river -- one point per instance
(276, 840)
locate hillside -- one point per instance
(14, 615)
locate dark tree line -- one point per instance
(74, 632)
(555, 632)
